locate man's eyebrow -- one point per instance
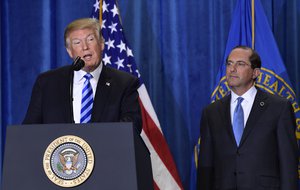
(91, 34)
(229, 60)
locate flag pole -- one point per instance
(253, 22)
(100, 12)
(117, 3)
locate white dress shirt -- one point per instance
(78, 82)
(247, 103)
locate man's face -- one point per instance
(239, 74)
(85, 43)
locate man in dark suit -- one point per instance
(57, 94)
(263, 154)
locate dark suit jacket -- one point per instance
(116, 98)
(267, 157)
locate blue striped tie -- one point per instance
(87, 100)
(238, 121)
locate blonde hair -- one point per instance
(83, 23)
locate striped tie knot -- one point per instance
(87, 100)
(88, 76)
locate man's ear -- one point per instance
(70, 52)
(256, 73)
(102, 45)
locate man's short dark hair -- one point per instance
(254, 57)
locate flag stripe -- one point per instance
(143, 93)
(159, 149)
(161, 175)
(155, 187)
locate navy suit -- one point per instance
(116, 98)
(267, 157)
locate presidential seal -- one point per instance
(68, 161)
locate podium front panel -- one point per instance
(116, 148)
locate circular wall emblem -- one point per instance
(68, 161)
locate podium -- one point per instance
(120, 157)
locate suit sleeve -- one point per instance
(288, 148)
(130, 109)
(34, 111)
(205, 161)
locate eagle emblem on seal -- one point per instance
(68, 161)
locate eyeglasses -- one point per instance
(238, 64)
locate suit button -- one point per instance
(234, 173)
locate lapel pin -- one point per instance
(107, 84)
(262, 104)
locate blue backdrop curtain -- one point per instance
(178, 46)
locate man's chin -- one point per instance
(90, 68)
(230, 83)
(233, 85)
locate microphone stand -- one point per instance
(77, 64)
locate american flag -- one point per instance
(118, 54)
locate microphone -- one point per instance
(77, 64)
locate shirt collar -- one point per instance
(249, 95)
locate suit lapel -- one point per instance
(225, 110)
(258, 107)
(102, 95)
(65, 89)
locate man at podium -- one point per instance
(86, 91)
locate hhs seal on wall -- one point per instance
(68, 161)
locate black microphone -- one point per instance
(77, 64)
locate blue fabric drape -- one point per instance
(178, 46)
